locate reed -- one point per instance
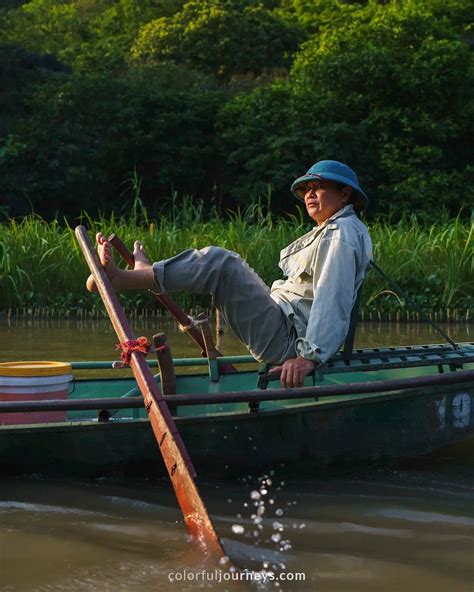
(41, 268)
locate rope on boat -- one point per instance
(141, 345)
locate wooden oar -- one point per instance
(171, 446)
(165, 300)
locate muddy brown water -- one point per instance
(407, 527)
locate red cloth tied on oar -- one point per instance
(141, 345)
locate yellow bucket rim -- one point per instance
(34, 368)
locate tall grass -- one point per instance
(435, 263)
(41, 265)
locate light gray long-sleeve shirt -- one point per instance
(324, 270)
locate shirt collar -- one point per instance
(345, 211)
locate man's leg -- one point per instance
(238, 292)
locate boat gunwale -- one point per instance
(242, 415)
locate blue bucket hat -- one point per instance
(332, 170)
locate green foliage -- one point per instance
(315, 15)
(219, 37)
(410, 144)
(434, 263)
(263, 141)
(86, 134)
(231, 99)
(85, 34)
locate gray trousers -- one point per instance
(238, 292)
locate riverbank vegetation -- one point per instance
(227, 100)
(42, 271)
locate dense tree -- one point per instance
(231, 97)
(219, 37)
(86, 34)
(393, 96)
(86, 135)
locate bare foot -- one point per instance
(141, 260)
(106, 258)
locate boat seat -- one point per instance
(385, 358)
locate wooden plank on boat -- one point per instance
(413, 359)
(435, 358)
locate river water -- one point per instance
(404, 527)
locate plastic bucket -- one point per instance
(34, 381)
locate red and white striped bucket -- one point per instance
(34, 381)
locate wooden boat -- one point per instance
(382, 404)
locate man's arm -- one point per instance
(334, 295)
(334, 272)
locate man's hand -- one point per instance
(294, 371)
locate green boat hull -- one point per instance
(297, 437)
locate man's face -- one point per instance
(325, 198)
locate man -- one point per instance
(303, 320)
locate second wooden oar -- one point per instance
(171, 446)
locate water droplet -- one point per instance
(276, 537)
(278, 526)
(279, 512)
(245, 504)
(302, 525)
(263, 491)
(261, 510)
(271, 501)
(223, 560)
(237, 528)
(255, 495)
(229, 501)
